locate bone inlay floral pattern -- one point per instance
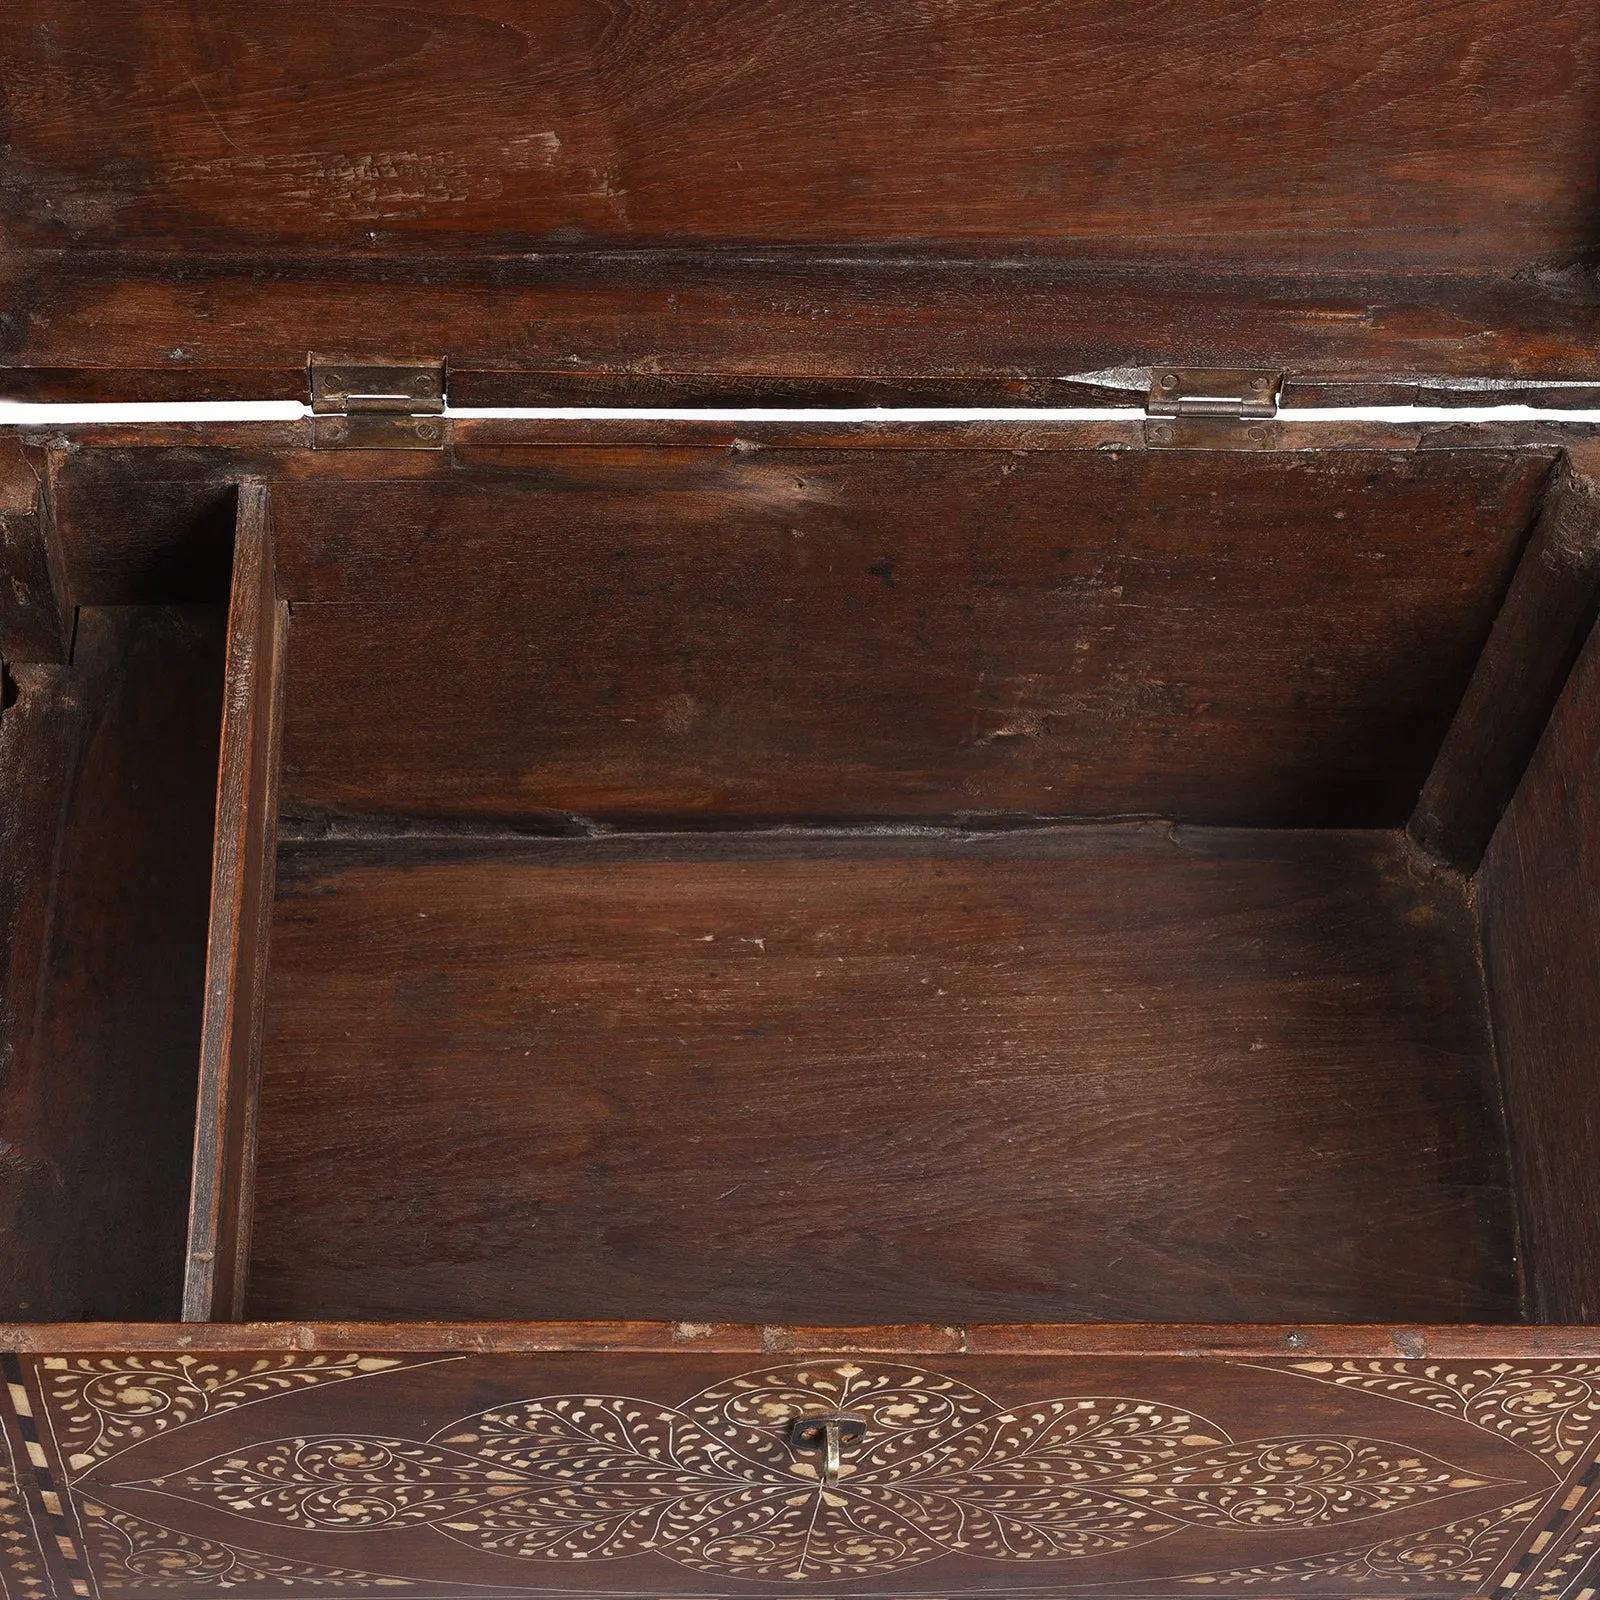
(713, 1485)
(1551, 1408)
(101, 1404)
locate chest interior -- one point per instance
(922, 876)
(813, 872)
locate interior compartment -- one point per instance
(108, 782)
(1075, 1074)
(910, 883)
(919, 876)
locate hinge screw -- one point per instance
(427, 430)
(332, 382)
(1260, 383)
(333, 428)
(422, 386)
(1169, 380)
(1161, 433)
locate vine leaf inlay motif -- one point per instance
(101, 1404)
(131, 1553)
(1552, 1409)
(1462, 1552)
(713, 1485)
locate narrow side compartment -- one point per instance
(108, 770)
(241, 903)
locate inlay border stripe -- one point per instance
(42, 1487)
(1565, 1548)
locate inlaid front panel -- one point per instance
(547, 1475)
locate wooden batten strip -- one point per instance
(241, 904)
(1548, 612)
(1309, 1341)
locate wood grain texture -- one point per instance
(855, 633)
(107, 783)
(712, 198)
(498, 128)
(282, 446)
(1539, 897)
(241, 911)
(1547, 615)
(682, 330)
(35, 613)
(854, 1080)
(147, 526)
(1187, 1340)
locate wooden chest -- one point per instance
(654, 1006)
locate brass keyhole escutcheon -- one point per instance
(830, 1436)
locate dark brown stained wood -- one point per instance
(143, 510)
(107, 783)
(657, 633)
(235, 450)
(142, 514)
(743, 197)
(534, 1476)
(481, 440)
(35, 617)
(1104, 1073)
(241, 910)
(1394, 131)
(1189, 1340)
(1547, 615)
(1539, 899)
(742, 332)
(146, 526)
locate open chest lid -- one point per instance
(739, 199)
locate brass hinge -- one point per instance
(377, 405)
(1212, 408)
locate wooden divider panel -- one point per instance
(241, 911)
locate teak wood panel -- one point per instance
(256, 1472)
(1391, 129)
(1091, 1073)
(574, 330)
(144, 513)
(107, 789)
(856, 633)
(1539, 892)
(665, 193)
